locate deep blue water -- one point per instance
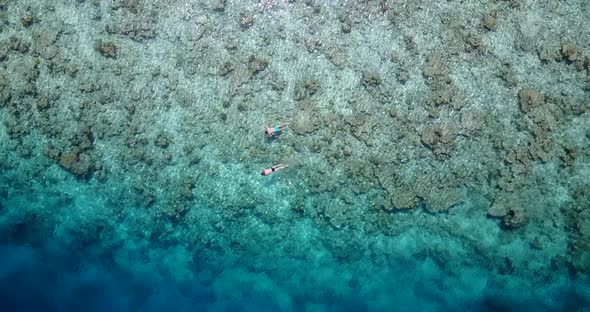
(51, 276)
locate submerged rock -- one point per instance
(509, 207)
(107, 49)
(530, 98)
(76, 163)
(440, 200)
(403, 198)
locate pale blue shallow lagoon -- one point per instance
(427, 155)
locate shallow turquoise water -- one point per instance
(437, 156)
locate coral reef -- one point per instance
(450, 136)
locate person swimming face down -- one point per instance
(272, 169)
(276, 130)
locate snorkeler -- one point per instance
(276, 130)
(272, 169)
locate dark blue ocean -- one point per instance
(294, 155)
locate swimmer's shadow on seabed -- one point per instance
(273, 138)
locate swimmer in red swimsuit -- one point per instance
(272, 169)
(276, 130)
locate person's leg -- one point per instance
(280, 166)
